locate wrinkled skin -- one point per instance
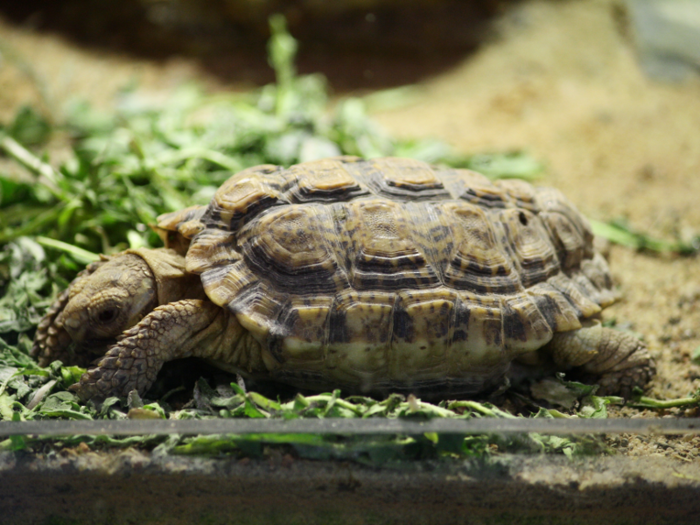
(106, 299)
(143, 293)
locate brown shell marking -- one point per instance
(474, 259)
(375, 271)
(288, 245)
(530, 245)
(378, 236)
(326, 181)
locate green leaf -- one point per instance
(620, 232)
(503, 165)
(560, 392)
(7, 404)
(29, 127)
(71, 375)
(62, 404)
(17, 442)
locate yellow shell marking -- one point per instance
(326, 175)
(359, 338)
(409, 172)
(239, 193)
(530, 243)
(422, 334)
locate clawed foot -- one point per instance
(119, 372)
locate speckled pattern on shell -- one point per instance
(353, 272)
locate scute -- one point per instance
(478, 339)
(568, 238)
(529, 243)
(478, 190)
(386, 257)
(244, 195)
(323, 181)
(301, 332)
(288, 246)
(377, 272)
(400, 179)
(422, 334)
(359, 336)
(519, 193)
(474, 260)
(525, 328)
(177, 228)
(213, 248)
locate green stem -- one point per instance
(80, 255)
(478, 407)
(348, 406)
(35, 224)
(648, 402)
(47, 176)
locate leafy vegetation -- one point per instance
(30, 393)
(620, 232)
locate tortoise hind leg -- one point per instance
(187, 328)
(621, 361)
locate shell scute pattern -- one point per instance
(422, 333)
(327, 181)
(559, 313)
(177, 228)
(354, 317)
(400, 180)
(385, 254)
(242, 196)
(349, 270)
(304, 330)
(477, 189)
(474, 260)
(288, 245)
(519, 193)
(478, 337)
(529, 243)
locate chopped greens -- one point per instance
(20, 400)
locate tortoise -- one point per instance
(372, 276)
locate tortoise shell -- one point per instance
(388, 271)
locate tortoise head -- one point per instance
(107, 298)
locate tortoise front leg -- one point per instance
(621, 360)
(191, 327)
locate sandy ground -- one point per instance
(561, 81)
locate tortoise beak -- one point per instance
(62, 337)
(52, 339)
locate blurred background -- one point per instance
(356, 43)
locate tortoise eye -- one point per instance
(107, 315)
